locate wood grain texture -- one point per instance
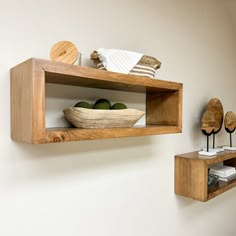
(230, 121)
(22, 102)
(191, 173)
(28, 101)
(64, 51)
(208, 122)
(215, 106)
(164, 108)
(219, 157)
(191, 178)
(74, 134)
(61, 73)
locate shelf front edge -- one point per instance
(74, 134)
(62, 73)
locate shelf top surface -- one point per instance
(221, 156)
(61, 73)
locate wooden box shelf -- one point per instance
(191, 175)
(163, 101)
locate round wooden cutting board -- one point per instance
(64, 51)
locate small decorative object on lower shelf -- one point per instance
(230, 125)
(222, 170)
(213, 181)
(212, 120)
(98, 118)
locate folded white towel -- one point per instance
(118, 60)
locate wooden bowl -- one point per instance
(96, 118)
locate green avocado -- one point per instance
(102, 104)
(83, 105)
(118, 106)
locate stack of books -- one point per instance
(225, 173)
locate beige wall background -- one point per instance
(117, 186)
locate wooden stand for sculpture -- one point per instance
(230, 126)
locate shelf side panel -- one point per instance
(191, 178)
(39, 123)
(164, 108)
(27, 102)
(21, 102)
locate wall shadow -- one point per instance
(45, 161)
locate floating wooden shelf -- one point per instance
(163, 101)
(191, 175)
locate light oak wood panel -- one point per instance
(27, 102)
(164, 108)
(61, 73)
(73, 134)
(191, 178)
(22, 102)
(64, 51)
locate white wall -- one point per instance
(118, 186)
